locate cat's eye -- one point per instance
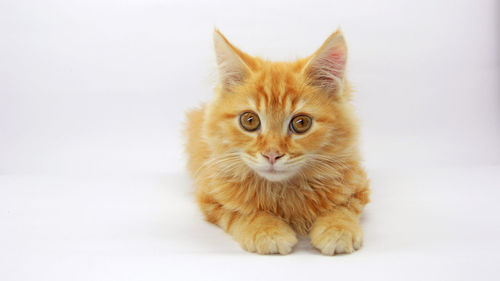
(300, 124)
(249, 121)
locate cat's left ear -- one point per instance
(326, 67)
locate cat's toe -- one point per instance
(276, 243)
(335, 240)
(271, 241)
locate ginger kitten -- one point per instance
(275, 153)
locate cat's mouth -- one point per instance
(273, 174)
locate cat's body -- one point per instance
(275, 153)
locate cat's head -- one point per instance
(280, 119)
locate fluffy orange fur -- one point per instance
(323, 188)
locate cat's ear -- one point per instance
(231, 62)
(326, 67)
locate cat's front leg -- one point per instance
(337, 232)
(263, 233)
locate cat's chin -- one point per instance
(274, 175)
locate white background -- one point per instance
(92, 99)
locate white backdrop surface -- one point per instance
(92, 99)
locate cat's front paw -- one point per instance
(331, 238)
(269, 239)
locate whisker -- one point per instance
(216, 161)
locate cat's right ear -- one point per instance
(326, 68)
(231, 62)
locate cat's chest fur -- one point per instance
(297, 203)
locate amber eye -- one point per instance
(300, 124)
(249, 121)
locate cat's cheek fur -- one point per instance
(312, 141)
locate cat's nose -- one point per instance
(273, 156)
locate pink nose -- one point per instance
(272, 157)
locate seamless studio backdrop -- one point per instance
(92, 172)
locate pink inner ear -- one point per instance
(330, 65)
(336, 58)
(328, 68)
